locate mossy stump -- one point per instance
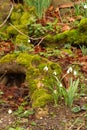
(34, 71)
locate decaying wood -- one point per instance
(12, 67)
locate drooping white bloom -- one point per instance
(54, 73)
(61, 85)
(9, 111)
(55, 91)
(45, 68)
(85, 6)
(69, 70)
(75, 73)
(29, 41)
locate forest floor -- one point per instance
(14, 114)
(61, 117)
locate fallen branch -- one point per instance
(24, 34)
(7, 16)
(83, 124)
(41, 40)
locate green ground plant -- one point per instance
(70, 93)
(59, 91)
(20, 112)
(40, 6)
(81, 9)
(36, 29)
(83, 49)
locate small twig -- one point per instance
(7, 17)
(41, 40)
(18, 30)
(80, 126)
(23, 33)
(70, 128)
(1, 77)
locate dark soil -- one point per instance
(56, 118)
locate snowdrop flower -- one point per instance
(75, 73)
(29, 41)
(69, 70)
(55, 91)
(61, 85)
(54, 73)
(9, 111)
(45, 68)
(85, 6)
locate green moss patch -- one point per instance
(37, 71)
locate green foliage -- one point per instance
(36, 29)
(59, 91)
(83, 25)
(80, 9)
(69, 94)
(76, 109)
(40, 6)
(37, 71)
(23, 113)
(54, 52)
(84, 50)
(79, 108)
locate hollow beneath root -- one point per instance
(12, 79)
(12, 74)
(13, 85)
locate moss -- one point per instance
(83, 25)
(15, 17)
(36, 61)
(25, 18)
(24, 59)
(36, 76)
(11, 31)
(18, 8)
(82, 39)
(72, 36)
(42, 66)
(40, 98)
(61, 36)
(3, 36)
(67, 51)
(55, 67)
(8, 58)
(75, 36)
(21, 39)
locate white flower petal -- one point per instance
(54, 73)
(45, 68)
(29, 41)
(55, 91)
(75, 72)
(9, 111)
(85, 6)
(69, 70)
(61, 85)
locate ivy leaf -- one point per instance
(76, 109)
